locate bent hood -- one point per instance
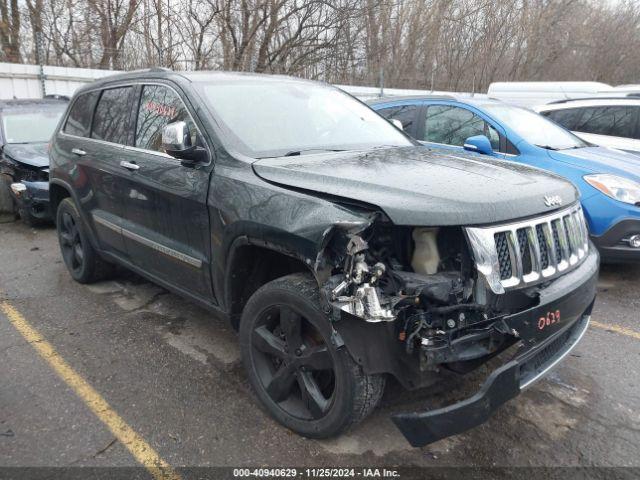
(33, 154)
(601, 160)
(421, 186)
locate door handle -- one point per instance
(129, 165)
(78, 152)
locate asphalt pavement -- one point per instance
(170, 372)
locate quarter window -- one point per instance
(405, 113)
(111, 120)
(453, 125)
(158, 107)
(79, 120)
(618, 121)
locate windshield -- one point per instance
(31, 126)
(535, 128)
(275, 118)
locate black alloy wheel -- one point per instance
(71, 243)
(83, 262)
(293, 363)
(302, 375)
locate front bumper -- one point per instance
(611, 243)
(33, 197)
(545, 342)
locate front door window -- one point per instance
(451, 125)
(159, 106)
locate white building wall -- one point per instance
(23, 81)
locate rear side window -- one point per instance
(568, 117)
(404, 113)
(618, 121)
(79, 120)
(159, 106)
(111, 120)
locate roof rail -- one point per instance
(632, 95)
(394, 98)
(160, 69)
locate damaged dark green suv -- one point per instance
(342, 252)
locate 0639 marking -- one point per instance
(549, 319)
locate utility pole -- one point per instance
(40, 62)
(434, 67)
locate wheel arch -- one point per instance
(251, 263)
(58, 191)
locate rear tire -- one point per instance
(83, 262)
(7, 206)
(302, 379)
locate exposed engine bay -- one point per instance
(419, 286)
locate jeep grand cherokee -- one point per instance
(342, 252)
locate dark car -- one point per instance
(341, 251)
(25, 130)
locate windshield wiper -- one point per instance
(294, 153)
(547, 147)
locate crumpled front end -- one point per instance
(409, 301)
(32, 197)
(29, 187)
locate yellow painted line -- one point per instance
(139, 448)
(617, 328)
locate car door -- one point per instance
(93, 139)
(166, 226)
(448, 126)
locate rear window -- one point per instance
(111, 119)
(79, 120)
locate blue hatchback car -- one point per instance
(608, 179)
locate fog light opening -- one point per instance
(634, 241)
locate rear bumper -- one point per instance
(33, 197)
(611, 243)
(572, 295)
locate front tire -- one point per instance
(303, 380)
(29, 219)
(83, 262)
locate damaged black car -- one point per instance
(342, 252)
(25, 130)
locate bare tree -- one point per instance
(442, 44)
(10, 19)
(114, 18)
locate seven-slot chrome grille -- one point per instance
(524, 253)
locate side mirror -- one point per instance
(478, 144)
(176, 141)
(397, 123)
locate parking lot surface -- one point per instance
(171, 372)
